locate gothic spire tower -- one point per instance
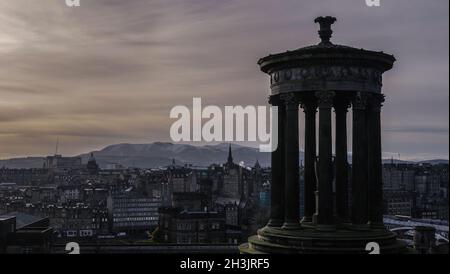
(230, 156)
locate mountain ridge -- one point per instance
(151, 155)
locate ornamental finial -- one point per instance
(325, 29)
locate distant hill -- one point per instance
(161, 154)
(158, 154)
(432, 162)
(435, 162)
(28, 162)
(396, 161)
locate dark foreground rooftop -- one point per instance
(152, 249)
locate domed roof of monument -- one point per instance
(326, 53)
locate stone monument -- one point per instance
(321, 78)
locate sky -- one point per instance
(110, 71)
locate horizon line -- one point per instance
(197, 144)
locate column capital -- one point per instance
(341, 105)
(290, 100)
(375, 102)
(309, 106)
(359, 101)
(274, 100)
(325, 98)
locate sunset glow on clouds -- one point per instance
(109, 71)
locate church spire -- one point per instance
(257, 165)
(230, 156)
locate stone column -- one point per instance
(342, 210)
(291, 197)
(359, 162)
(278, 174)
(325, 215)
(310, 109)
(374, 161)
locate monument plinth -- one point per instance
(323, 78)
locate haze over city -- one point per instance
(109, 71)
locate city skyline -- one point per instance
(95, 76)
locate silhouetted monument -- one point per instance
(322, 77)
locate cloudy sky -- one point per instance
(110, 71)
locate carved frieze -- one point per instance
(303, 77)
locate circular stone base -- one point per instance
(309, 240)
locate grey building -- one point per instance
(189, 227)
(130, 212)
